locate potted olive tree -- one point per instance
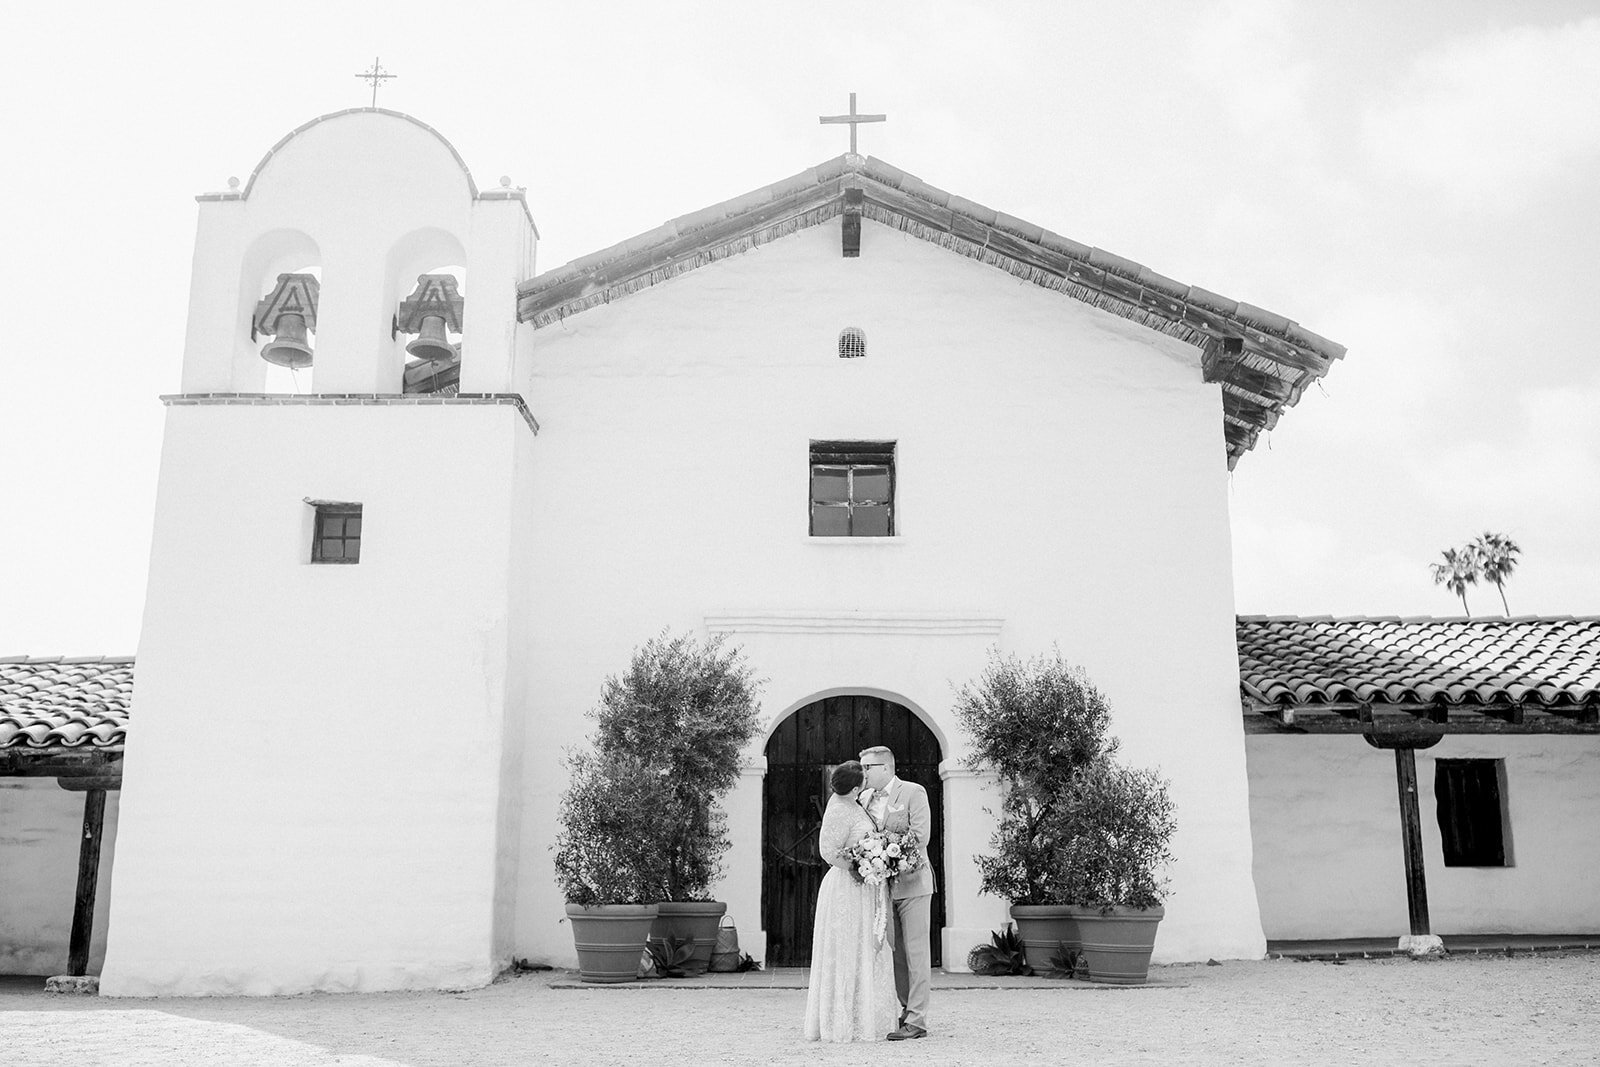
(1112, 840)
(614, 818)
(1038, 724)
(684, 709)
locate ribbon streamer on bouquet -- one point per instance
(880, 911)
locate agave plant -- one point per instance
(671, 956)
(1002, 955)
(1065, 963)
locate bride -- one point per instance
(851, 997)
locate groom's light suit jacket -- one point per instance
(908, 808)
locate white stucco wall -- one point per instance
(40, 828)
(1325, 816)
(312, 798)
(1059, 470)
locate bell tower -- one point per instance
(329, 701)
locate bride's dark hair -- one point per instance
(846, 777)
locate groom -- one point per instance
(895, 806)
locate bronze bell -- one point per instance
(431, 344)
(433, 307)
(289, 348)
(287, 313)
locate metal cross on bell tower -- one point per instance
(377, 77)
(853, 120)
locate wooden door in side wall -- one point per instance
(800, 754)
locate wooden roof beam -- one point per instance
(1346, 719)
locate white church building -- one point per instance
(864, 427)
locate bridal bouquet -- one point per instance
(883, 854)
(878, 857)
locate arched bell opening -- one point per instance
(427, 279)
(279, 300)
(801, 752)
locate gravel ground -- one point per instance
(1469, 1010)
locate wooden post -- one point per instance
(94, 810)
(1405, 772)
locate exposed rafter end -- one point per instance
(850, 224)
(1220, 356)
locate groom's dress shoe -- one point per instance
(906, 1033)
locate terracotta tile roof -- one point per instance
(1542, 664)
(1262, 360)
(68, 703)
(1549, 664)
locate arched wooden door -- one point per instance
(799, 755)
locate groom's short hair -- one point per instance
(882, 753)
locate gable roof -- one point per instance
(1537, 674)
(65, 703)
(1263, 361)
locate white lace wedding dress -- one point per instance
(852, 995)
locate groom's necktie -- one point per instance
(878, 806)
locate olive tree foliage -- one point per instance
(1038, 724)
(616, 817)
(1113, 836)
(1075, 826)
(680, 716)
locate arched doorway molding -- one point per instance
(760, 745)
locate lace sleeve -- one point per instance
(838, 822)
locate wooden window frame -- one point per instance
(1470, 834)
(323, 510)
(851, 456)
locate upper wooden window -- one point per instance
(852, 343)
(1471, 811)
(336, 534)
(852, 488)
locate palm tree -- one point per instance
(1496, 556)
(1459, 570)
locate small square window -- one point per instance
(852, 488)
(336, 533)
(1471, 811)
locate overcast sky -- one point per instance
(1419, 182)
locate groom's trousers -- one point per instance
(913, 958)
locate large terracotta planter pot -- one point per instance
(610, 939)
(1117, 943)
(1044, 928)
(692, 920)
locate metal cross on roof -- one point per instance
(377, 77)
(853, 120)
